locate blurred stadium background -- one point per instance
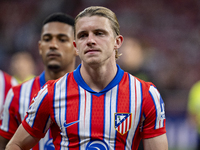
(168, 31)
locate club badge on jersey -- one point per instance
(123, 122)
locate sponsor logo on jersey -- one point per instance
(97, 145)
(123, 122)
(49, 145)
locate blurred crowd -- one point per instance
(163, 34)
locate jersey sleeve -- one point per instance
(37, 121)
(10, 120)
(153, 114)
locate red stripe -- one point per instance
(122, 128)
(72, 113)
(97, 120)
(8, 83)
(122, 107)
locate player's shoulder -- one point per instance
(18, 86)
(142, 82)
(51, 83)
(196, 86)
(5, 74)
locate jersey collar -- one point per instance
(42, 79)
(78, 78)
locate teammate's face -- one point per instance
(56, 45)
(95, 41)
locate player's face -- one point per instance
(56, 45)
(95, 41)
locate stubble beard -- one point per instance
(54, 68)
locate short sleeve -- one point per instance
(37, 120)
(153, 114)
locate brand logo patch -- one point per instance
(123, 122)
(69, 124)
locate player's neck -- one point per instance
(97, 79)
(53, 75)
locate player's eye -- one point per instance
(63, 38)
(47, 38)
(99, 33)
(82, 35)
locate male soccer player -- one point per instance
(6, 82)
(58, 55)
(98, 106)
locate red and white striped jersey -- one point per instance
(116, 118)
(6, 82)
(16, 105)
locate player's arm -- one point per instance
(3, 142)
(156, 143)
(21, 140)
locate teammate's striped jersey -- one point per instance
(17, 104)
(6, 82)
(116, 118)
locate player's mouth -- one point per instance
(53, 54)
(91, 51)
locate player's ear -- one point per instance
(75, 47)
(118, 41)
(39, 46)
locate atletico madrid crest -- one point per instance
(123, 122)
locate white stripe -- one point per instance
(60, 108)
(34, 107)
(128, 123)
(13, 81)
(88, 112)
(124, 128)
(135, 116)
(2, 90)
(6, 117)
(120, 128)
(85, 117)
(81, 118)
(156, 97)
(162, 119)
(56, 104)
(24, 99)
(43, 141)
(111, 99)
(107, 116)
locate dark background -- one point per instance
(168, 30)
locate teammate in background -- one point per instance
(193, 108)
(22, 66)
(133, 58)
(58, 55)
(98, 105)
(6, 82)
